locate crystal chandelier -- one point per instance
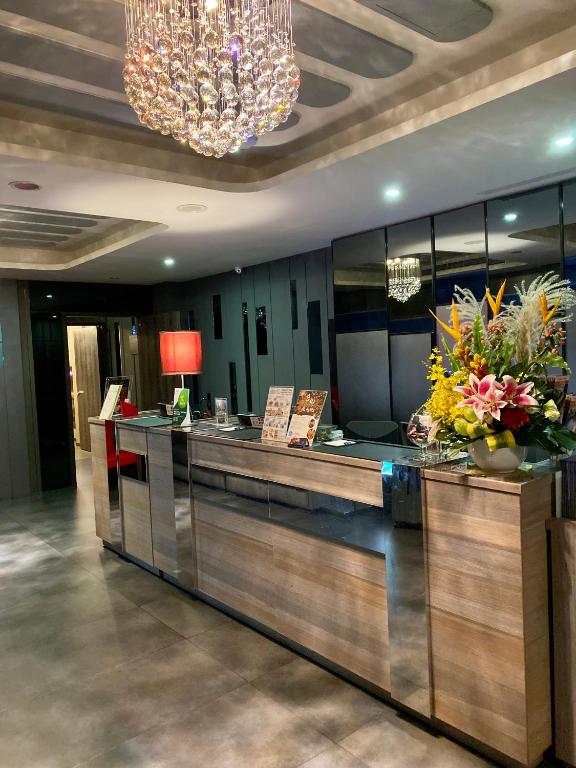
(211, 73)
(403, 278)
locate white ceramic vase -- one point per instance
(496, 462)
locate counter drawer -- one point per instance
(133, 440)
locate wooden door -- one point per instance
(86, 394)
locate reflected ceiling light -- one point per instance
(564, 141)
(49, 296)
(169, 262)
(392, 193)
(404, 278)
(511, 217)
(192, 208)
(210, 73)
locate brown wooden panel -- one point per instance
(235, 561)
(563, 550)
(478, 679)
(162, 510)
(133, 440)
(347, 482)
(487, 577)
(363, 484)
(136, 518)
(332, 600)
(218, 454)
(100, 482)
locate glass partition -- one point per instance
(460, 249)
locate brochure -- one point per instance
(277, 414)
(306, 418)
(111, 401)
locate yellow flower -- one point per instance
(496, 301)
(443, 400)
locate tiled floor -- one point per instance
(104, 665)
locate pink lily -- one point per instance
(517, 394)
(486, 396)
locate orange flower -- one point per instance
(547, 314)
(496, 301)
(453, 330)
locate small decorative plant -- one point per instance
(497, 385)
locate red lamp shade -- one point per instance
(180, 352)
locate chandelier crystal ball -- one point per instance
(404, 279)
(211, 73)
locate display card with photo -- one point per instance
(277, 414)
(306, 418)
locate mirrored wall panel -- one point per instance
(360, 281)
(460, 249)
(523, 237)
(410, 273)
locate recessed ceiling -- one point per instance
(444, 20)
(385, 101)
(343, 45)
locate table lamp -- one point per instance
(181, 355)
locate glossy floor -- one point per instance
(105, 665)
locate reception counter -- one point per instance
(425, 586)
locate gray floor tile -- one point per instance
(243, 729)
(328, 703)
(73, 724)
(185, 614)
(392, 741)
(240, 648)
(335, 757)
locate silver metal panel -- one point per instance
(442, 20)
(329, 39)
(185, 570)
(363, 381)
(408, 639)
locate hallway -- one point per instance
(105, 665)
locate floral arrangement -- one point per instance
(496, 384)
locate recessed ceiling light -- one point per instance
(24, 186)
(54, 317)
(49, 295)
(564, 141)
(169, 262)
(509, 218)
(392, 193)
(192, 208)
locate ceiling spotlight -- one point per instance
(54, 317)
(511, 217)
(564, 141)
(24, 186)
(49, 295)
(192, 208)
(169, 262)
(392, 193)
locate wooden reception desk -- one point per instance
(321, 549)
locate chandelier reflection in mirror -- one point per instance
(404, 279)
(211, 73)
